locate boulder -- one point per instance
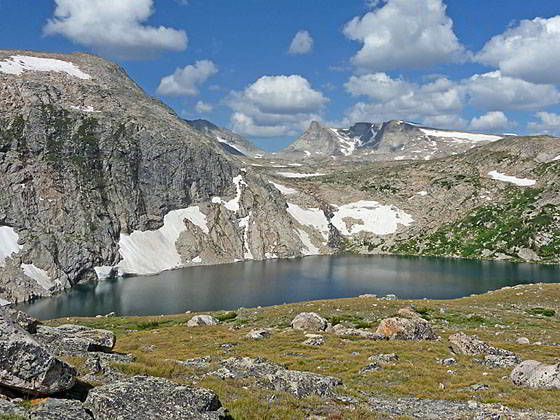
(58, 409)
(303, 384)
(27, 366)
(73, 339)
(523, 340)
(372, 367)
(497, 361)
(146, 397)
(199, 320)
(471, 345)
(314, 340)
(536, 375)
(343, 331)
(406, 329)
(408, 313)
(245, 367)
(309, 321)
(25, 321)
(384, 358)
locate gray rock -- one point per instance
(536, 375)
(258, 333)
(27, 366)
(449, 361)
(72, 339)
(497, 361)
(245, 367)
(523, 340)
(309, 321)
(390, 297)
(406, 329)
(25, 321)
(372, 367)
(303, 384)
(8, 407)
(384, 358)
(343, 331)
(471, 345)
(58, 409)
(144, 397)
(200, 320)
(314, 340)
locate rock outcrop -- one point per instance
(200, 320)
(309, 321)
(27, 366)
(72, 339)
(471, 345)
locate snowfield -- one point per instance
(284, 190)
(473, 137)
(312, 217)
(522, 182)
(310, 249)
(375, 218)
(8, 243)
(221, 140)
(153, 251)
(40, 276)
(297, 175)
(17, 64)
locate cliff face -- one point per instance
(88, 162)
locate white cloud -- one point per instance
(405, 34)
(530, 51)
(203, 108)
(185, 81)
(494, 91)
(399, 99)
(301, 44)
(114, 27)
(491, 121)
(549, 124)
(275, 106)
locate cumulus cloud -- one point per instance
(549, 123)
(399, 99)
(301, 44)
(492, 121)
(495, 91)
(405, 34)
(275, 106)
(114, 27)
(530, 51)
(185, 81)
(203, 108)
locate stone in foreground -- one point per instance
(55, 409)
(309, 321)
(471, 345)
(199, 320)
(72, 339)
(27, 366)
(536, 375)
(146, 397)
(406, 329)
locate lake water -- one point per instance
(273, 282)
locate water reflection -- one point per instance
(283, 281)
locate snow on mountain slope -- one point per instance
(458, 135)
(17, 64)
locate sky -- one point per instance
(265, 69)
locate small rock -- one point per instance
(200, 320)
(384, 358)
(309, 321)
(258, 333)
(476, 387)
(471, 345)
(314, 341)
(497, 361)
(110, 315)
(390, 297)
(372, 367)
(449, 361)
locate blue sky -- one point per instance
(267, 68)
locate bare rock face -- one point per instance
(406, 329)
(25, 321)
(58, 409)
(309, 321)
(70, 339)
(471, 345)
(144, 397)
(536, 375)
(199, 320)
(27, 366)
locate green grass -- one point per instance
(541, 311)
(226, 316)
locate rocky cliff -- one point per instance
(98, 177)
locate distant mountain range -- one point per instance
(391, 140)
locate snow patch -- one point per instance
(422, 193)
(84, 108)
(197, 260)
(154, 251)
(347, 144)
(284, 190)
(4, 302)
(244, 223)
(233, 204)
(310, 249)
(375, 217)
(297, 175)
(8, 243)
(522, 182)
(473, 137)
(310, 217)
(307, 153)
(17, 64)
(224, 141)
(556, 158)
(39, 275)
(104, 272)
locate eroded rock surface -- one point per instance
(471, 345)
(406, 329)
(536, 375)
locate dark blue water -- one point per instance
(251, 284)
